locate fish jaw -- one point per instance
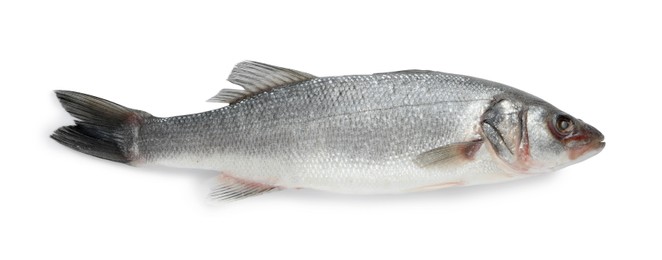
(591, 143)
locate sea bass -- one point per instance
(394, 132)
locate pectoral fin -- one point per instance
(224, 188)
(448, 153)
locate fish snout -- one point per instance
(587, 139)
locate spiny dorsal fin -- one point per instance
(255, 78)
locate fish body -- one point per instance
(391, 132)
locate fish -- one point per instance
(383, 133)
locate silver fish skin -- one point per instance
(391, 132)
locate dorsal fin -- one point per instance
(230, 95)
(255, 78)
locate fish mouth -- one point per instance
(602, 144)
(587, 143)
(600, 140)
(586, 151)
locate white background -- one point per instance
(599, 61)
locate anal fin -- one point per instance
(225, 188)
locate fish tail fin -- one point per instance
(103, 129)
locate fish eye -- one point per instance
(564, 124)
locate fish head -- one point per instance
(557, 139)
(532, 136)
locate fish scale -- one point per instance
(382, 133)
(311, 123)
